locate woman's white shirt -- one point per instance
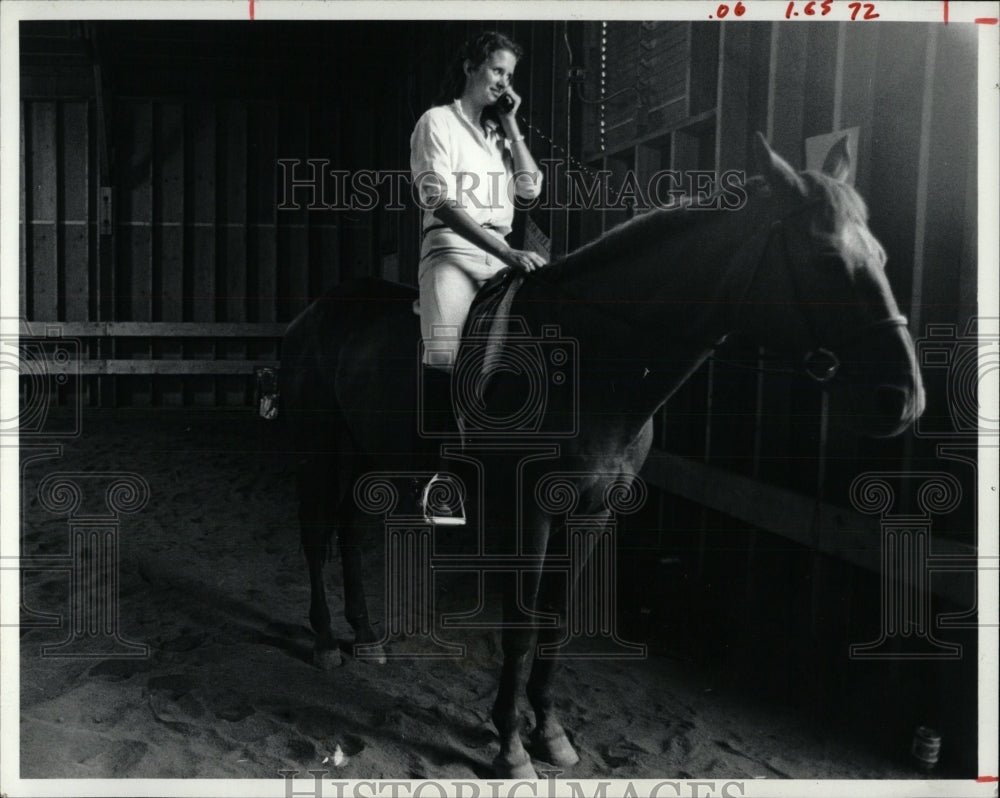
(452, 159)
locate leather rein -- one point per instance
(820, 362)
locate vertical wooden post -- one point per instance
(169, 199)
(233, 219)
(325, 122)
(43, 213)
(76, 178)
(202, 230)
(293, 225)
(25, 220)
(732, 135)
(135, 253)
(262, 257)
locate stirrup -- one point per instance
(441, 502)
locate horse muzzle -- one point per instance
(881, 379)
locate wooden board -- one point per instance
(168, 238)
(858, 94)
(794, 516)
(262, 265)
(201, 186)
(163, 330)
(788, 92)
(293, 224)
(25, 226)
(76, 189)
(892, 193)
(141, 368)
(731, 141)
(43, 264)
(233, 218)
(134, 229)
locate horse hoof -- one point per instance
(327, 659)
(519, 769)
(370, 652)
(557, 750)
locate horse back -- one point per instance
(350, 359)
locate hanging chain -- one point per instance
(602, 113)
(559, 148)
(604, 74)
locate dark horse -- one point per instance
(795, 267)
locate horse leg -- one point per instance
(355, 605)
(520, 594)
(315, 523)
(513, 761)
(548, 739)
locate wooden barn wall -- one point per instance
(196, 118)
(753, 441)
(910, 90)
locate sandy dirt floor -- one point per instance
(213, 581)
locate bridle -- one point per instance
(820, 361)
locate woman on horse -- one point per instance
(469, 163)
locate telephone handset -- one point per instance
(505, 103)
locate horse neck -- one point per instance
(649, 313)
(676, 291)
(669, 280)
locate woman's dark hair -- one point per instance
(475, 51)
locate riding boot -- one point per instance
(440, 497)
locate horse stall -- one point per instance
(787, 599)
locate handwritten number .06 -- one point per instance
(738, 10)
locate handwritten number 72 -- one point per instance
(869, 10)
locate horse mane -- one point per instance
(839, 208)
(629, 238)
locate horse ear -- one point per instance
(780, 176)
(837, 163)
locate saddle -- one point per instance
(487, 328)
(543, 394)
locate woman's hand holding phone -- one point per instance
(505, 103)
(508, 103)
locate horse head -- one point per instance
(819, 293)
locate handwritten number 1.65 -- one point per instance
(809, 9)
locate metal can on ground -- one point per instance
(926, 748)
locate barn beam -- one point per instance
(845, 534)
(155, 329)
